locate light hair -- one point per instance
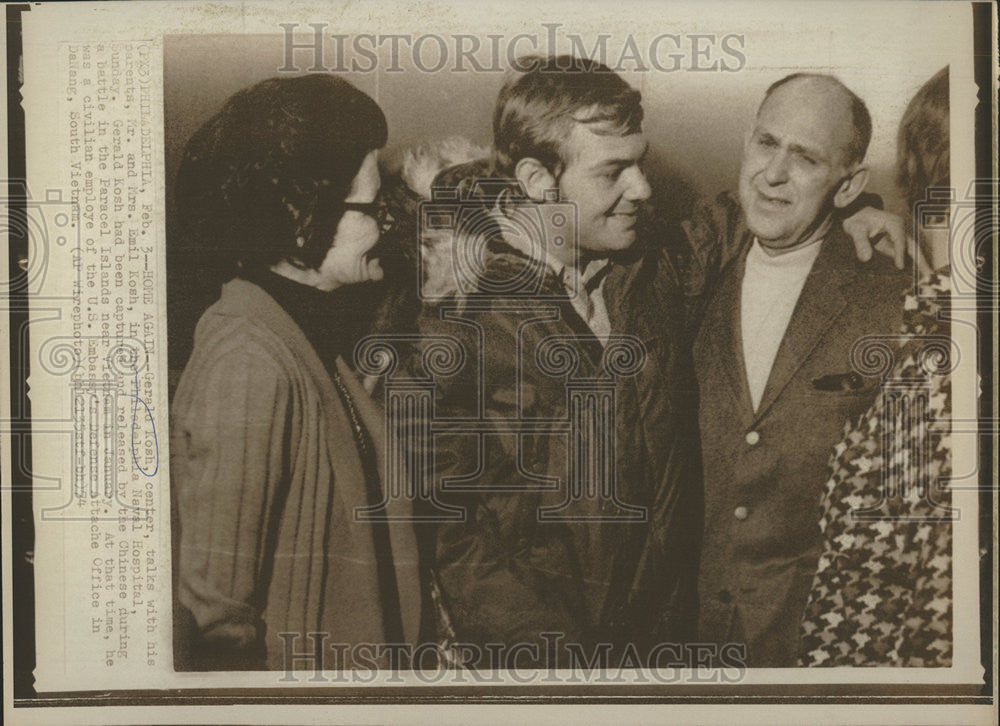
(922, 146)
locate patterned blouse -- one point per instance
(882, 595)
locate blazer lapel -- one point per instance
(819, 304)
(728, 338)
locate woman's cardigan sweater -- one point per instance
(267, 477)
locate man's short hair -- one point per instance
(860, 118)
(542, 100)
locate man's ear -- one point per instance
(535, 178)
(850, 187)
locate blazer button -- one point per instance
(752, 438)
(725, 596)
(741, 513)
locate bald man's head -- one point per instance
(835, 91)
(803, 159)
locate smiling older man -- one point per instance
(774, 364)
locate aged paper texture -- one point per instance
(169, 580)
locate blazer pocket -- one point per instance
(842, 382)
(850, 399)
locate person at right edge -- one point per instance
(773, 361)
(882, 595)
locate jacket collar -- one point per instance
(820, 303)
(573, 279)
(728, 336)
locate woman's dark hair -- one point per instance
(263, 180)
(922, 148)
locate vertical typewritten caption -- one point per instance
(110, 129)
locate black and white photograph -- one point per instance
(539, 354)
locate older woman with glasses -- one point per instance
(275, 444)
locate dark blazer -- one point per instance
(506, 575)
(764, 471)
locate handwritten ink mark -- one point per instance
(149, 414)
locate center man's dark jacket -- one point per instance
(507, 573)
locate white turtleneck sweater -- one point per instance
(771, 288)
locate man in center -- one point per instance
(612, 572)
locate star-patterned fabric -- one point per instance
(882, 594)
